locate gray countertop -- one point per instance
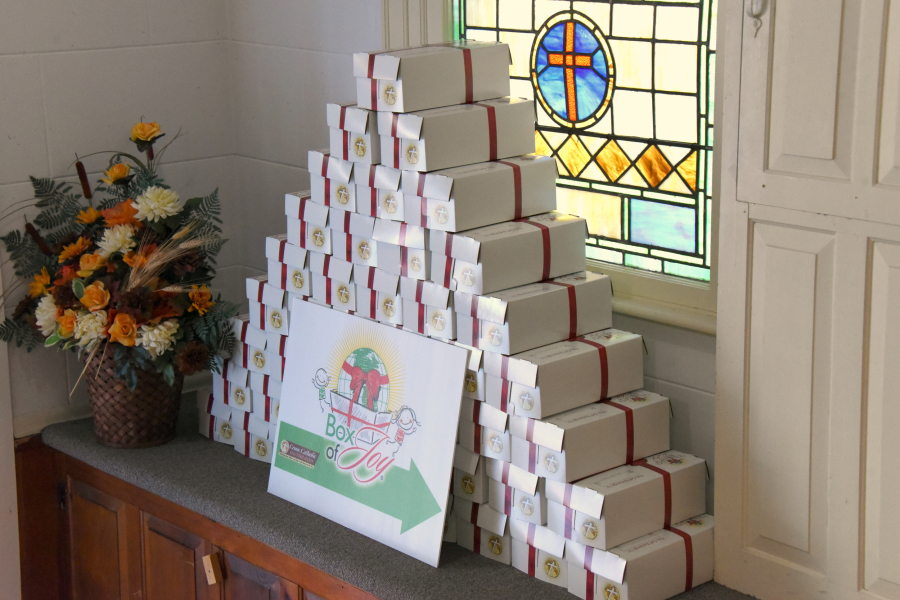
(214, 480)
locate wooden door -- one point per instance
(808, 394)
(105, 547)
(173, 563)
(246, 581)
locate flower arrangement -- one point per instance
(125, 268)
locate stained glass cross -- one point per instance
(569, 59)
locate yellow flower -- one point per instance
(66, 323)
(123, 330)
(38, 287)
(95, 297)
(88, 263)
(145, 132)
(88, 216)
(116, 172)
(200, 299)
(74, 249)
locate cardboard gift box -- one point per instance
(299, 205)
(295, 280)
(537, 536)
(378, 191)
(442, 138)
(424, 292)
(473, 387)
(400, 234)
(507, 255)
(388, 308)
(484, 440)
(254, 359)
(536, 314)
(431, 76)
(256, 439)
(471, 486)
(246, 333)
(264, 407)
(483, 542)
(482, 414)
(334, 293)
(429, 320)
(356, 249)
(403, 261)
(593, 438)
(351, 222)
(267, 305)
(624, 503)
(551, 379)
(265, 385)
(449, 528)
(511, 475)
(376, 279)
(331, 267)
(653, 567)
(481, 194)
(329, 180)
(520, 505)
(481, 515)
(280, 250)
(213, 412)
(231, 387)
(353, 133)
(540, 564)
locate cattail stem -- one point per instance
(38, 239)
(83, 178)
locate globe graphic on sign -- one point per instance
(364, 359)
(572, 69)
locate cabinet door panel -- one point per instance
(173, 563)
(246, 581)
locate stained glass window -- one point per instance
(623, 93)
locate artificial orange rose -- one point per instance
(123, 330)
(138, 259)
(74, 249)
(116, 173)
(38, 287)
(95, 297)
(88, 263)
(65, 275)
(201, 299)
(66, 323)
(145, 132)
(121, 214)
(88, 216)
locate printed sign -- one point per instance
(367, 427)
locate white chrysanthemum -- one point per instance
(116, 239)
(157, 338)
(89, 326)
(157, 203)
(45, 314)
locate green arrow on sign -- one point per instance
(401, 494)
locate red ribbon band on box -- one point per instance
(532, 558)
(477, 438)
(421, 308)
(473, 516)
(604, 365)
(532, 528)
(476, 412)
(545, 236)
(688, 557)
(507, 501)
(476, 545)
(505, 391)
(504, 478)
(492, 129)
(517, 185)
(573, 307)
(629, 430)
(346, 135)
(667, 489)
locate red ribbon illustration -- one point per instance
(373, 380)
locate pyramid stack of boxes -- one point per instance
(429, 213)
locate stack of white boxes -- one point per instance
(429, 213)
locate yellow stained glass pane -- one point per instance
(675, 67)
(632, 177)
(555, 139)
(541, 146)
(632, 149)
(593, 172)
(633, 113)
(481, 35)
(634, 62)
(677, 23)
(597, 11)
(515, 14)
(543, 119)
(481, 13)
(604, 125)
(574, 155)
(632, 20)
(673, 183)
(520, 49)
(613, 161)
(521, 88)
(688, 170)
(674, 153)
(653, 166)
(544, 9)
(602, 212)
(592, 143)
(560, 167)
(676, 118)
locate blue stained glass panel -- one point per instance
(599, 64)
(541, 59)
(585, 42)
(553, 85)
(663, 225)
(555, 38)
(589, 91)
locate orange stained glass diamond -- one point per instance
(688, 170)
(653, 166)
(574, 155)
(613, 161)
(541, 146)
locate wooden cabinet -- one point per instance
(173, 562)
(246, 581)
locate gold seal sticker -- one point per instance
(388, 307)
(364, 250)
(469, 278)
(496, 443)
(297, 279)
(526, 506)
(496, 337)
(225, 430)
(526, 401)
(390, 95)
(551, 568)
(240, 396)
(441, 214)
(412, 154)
(495, 544)
(259, 359)
(318, 237)
(415, 264)
(438, 321)
(285, 446)
(552, 463)
(471, 382)
(261, 448)
(359, 147)
(611, 592)
(276, 319)
(468, 485)
(343, 294)
(589, 530)
(343, 194)
(389, 203)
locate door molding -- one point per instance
(408, 23)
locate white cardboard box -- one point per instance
(334, 292)
(353, 133)
(483, 414)
(376, 279)
(329, 180)
(279, 249)
(509, 474)
(484, 440)
(471, 486)
(357, 249)
(237, 396)
(424, 292)
(403, 261)
(652, 567)
(473, 538)
(246, 333)
(431, 76)
(378, 191)
(265, 385)
(565, 307)
(295, 280)
(520, 505)
(540, 564)
(453, 136)
(481, 515)
(596, 437)
(538, 536)
(508, 255)
(299, 205)
(429, 320)
(565, 375)
(481, 194)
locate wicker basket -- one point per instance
(126, 419)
